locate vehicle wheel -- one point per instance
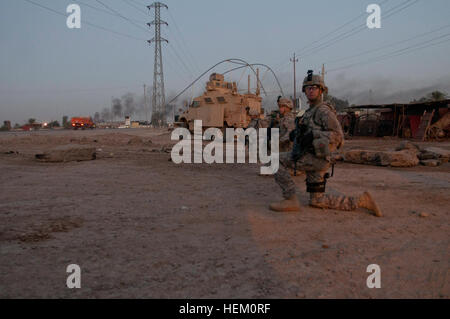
(183, 124)
(224, 132)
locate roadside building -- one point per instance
(420, 120)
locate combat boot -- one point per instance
(366, 201)
(287, 205)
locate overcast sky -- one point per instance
(48, 70)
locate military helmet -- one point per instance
(314, 79)
(285, 102)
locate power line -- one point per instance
(385, 57)
(346, 34)
(173, 53)
(395, 43)
(142, 3)
(122, 16)
(282, 63)
(186, 62)
(93, 7)
(356, 30)
(399, 52)
(338, 28)
(339, 37)
(174, 68)
(85, 21)
(103, 10)
(394, 10)
(184, 41)
(419, 48)
(181, 57)
(136, 7)
(188, 71)
(176, 57)
(415, 46)
(116, 13)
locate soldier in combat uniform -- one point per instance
(284, 120)
(321, 135)
(286, 123)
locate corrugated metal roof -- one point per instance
(406, 105)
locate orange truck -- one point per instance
(82, 122)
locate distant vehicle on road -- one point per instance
(82, 122)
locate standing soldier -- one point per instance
(317, 136)
(286, 123)
(283, 119)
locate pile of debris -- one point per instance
(139, 141)
(441, 128)
(406, 155)
(67, 153)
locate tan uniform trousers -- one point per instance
(315, 169)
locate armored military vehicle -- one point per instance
(222, 106)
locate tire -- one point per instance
(224, 132)
(184, 124)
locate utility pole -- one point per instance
(112, 111)
(173, 114)
(323, 73)
(145, 107)
(294, 60)
(257, 82)
(325, 94)
(158, 98)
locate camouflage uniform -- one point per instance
(287, 124)
(321, 120)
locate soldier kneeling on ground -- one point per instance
(316, 136)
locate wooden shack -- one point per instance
(412, 120)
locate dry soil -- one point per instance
(140, 226)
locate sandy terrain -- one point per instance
(140, 226)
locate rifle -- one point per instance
(303, 142)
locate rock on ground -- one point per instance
(437, 153)
(405, 145)
(404, 158)
(139, 141)
(431, 163)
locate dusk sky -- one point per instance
(48, 70)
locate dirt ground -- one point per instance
(140, 226)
